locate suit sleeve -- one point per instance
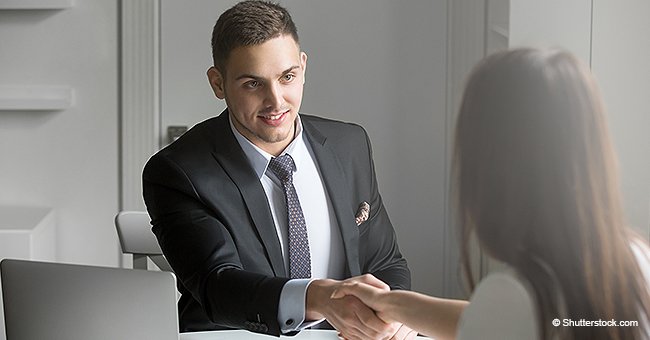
(378, 249)
(203, 255)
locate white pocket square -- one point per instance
(362, 213)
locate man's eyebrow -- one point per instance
(246, 75)
(252, 76)
(290, 69)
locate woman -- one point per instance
(536, 183)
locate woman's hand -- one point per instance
(371, 291)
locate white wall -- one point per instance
(552, 23)
(185, 56)
(620, 62)
(66, 160)
(380, 63)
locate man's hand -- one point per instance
(352, 318)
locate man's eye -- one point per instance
(288, 77)
(252, 84)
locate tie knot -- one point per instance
(282, 167)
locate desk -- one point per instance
(308, 334)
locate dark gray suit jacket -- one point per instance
(214, 225)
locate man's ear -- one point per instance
(216, 82)
(303, 63)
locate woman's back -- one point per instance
(503, 305)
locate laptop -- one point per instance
(63, 301)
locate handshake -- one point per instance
(351, 306)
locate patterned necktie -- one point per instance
(299, 258)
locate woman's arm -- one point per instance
(434, 317)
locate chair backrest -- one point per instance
(136, 238)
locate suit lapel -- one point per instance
(233, 160)
(339, 193)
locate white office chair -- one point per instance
(136, 238)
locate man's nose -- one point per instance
(274, 96)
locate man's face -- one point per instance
(262, 86)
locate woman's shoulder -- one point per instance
(501, 307)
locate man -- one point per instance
(261, 212)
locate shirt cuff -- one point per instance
(291, 310)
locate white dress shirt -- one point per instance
(325, 243)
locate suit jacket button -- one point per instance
(289, 322)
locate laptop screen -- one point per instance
(64, 301)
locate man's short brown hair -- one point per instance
(248, 23)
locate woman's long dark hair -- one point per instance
(537, 185)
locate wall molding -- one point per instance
(139, 95)
(466, 45)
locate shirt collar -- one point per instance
(260, 159)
